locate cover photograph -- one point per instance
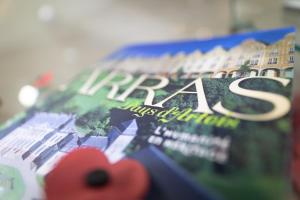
(209, 119)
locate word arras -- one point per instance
(281, 104)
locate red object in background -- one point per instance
(43, 80)
(86, 174)
(296, 145)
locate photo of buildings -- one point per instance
(45, 137)
(249, 58)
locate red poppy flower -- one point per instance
(86, 174)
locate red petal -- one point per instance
(128, 178)
(131, 179)
(68, 177)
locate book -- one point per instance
(209, 119)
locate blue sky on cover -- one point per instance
(204, 45)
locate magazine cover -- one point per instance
(209, 119)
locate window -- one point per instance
(254, 62)
(291, 60)
(272, 61)
(256, 55)
(291, 42)
(274, 52)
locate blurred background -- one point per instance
(54, 40)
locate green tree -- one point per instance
(245, 68)
(93, 122)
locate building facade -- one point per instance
(258, 58)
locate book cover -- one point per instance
(209, 119)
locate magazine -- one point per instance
(209, 119)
